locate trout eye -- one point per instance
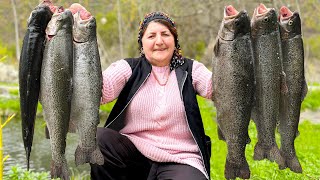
(290, 22)
(266, 19)
(236, 23)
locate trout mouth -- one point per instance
(49, 37)
(285, 14)
(230, 12)
(261, 10)
(49, 4)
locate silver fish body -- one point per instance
(269, 79)
(30, 71)
(293, 64)
(56, 88)
(233, 85)
(87, 90)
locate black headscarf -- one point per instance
(177, 59)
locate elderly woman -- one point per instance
(155, 130)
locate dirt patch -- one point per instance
(312, 116)
(8, 73)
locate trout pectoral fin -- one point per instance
(216, 47)
(304, 90)
(220, 134)
(72, 126)
(47, 132)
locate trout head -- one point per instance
(62, 20)
(39, 19)
(290, 23)
(234, 24)
(264, 21)
(84, 27)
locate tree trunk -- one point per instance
(16, 27)
(120, 29)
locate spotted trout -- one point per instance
(270, 81)
(233, 85)
(30, 71)
(293, 64)
(56, 87)
(87, 85)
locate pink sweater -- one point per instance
(156, 119)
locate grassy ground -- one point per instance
(307, 144)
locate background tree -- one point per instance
(197, 22)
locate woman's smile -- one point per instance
(158, 44)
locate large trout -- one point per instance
(56, 87)
(233, 85)
(87, 85)
(30, 71)
(269, 81)
(293, 64)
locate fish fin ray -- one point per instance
(72, 126)
(47, 133)
(60, 171)
(233, 170)
(97, 157)
(220, 134)
(216, 47)
(304, 90)
(91, 155)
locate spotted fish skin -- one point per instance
(293, 64)
(30, 71)
(87, 85)
(233, 85)
(56, 87)
(270, 81)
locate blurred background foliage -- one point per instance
(197, 23)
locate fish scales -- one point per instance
(269, 82)
(293, 64)
(233, 85)
(87, 85)
(29, 73)
(56, 88)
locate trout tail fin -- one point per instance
(88, 155)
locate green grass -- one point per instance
(312, 100)
(105, 109)
(9, 105)
(307, 148)
(307, 143)
(17, 173)
(9, 84)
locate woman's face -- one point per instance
(158, 44)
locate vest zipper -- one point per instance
(185, 113)
(128, 102)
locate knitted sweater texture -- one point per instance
(155, 118)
